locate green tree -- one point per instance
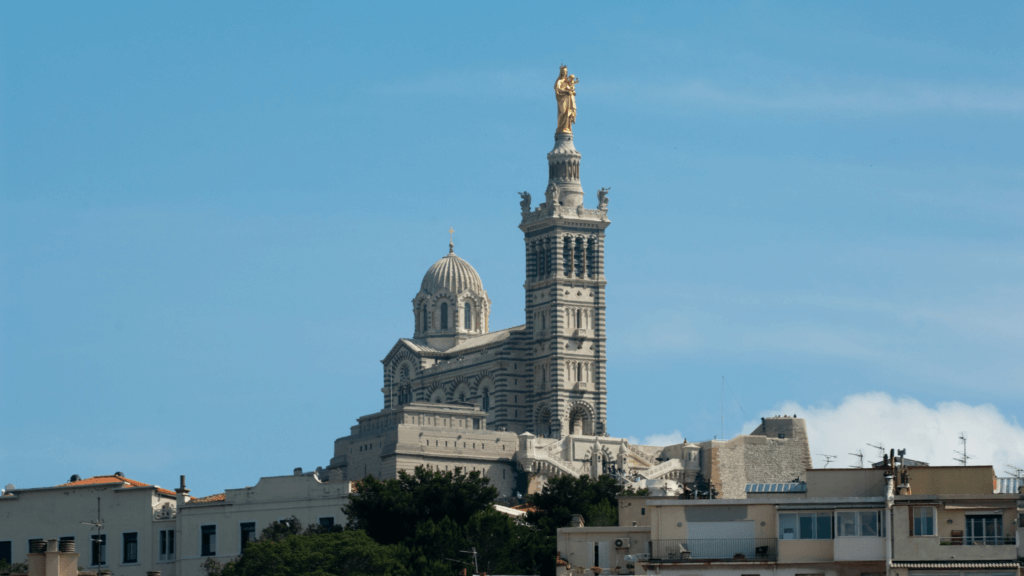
(346, 553)
(564, 496)
(390, 510)
(281, 529)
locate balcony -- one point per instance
(978, 541)
(957, 548)
(715, 549)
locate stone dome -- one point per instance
(453, 274)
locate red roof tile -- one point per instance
(207, 499)
(111, 479)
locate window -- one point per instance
(444, 315)
(476, 425)
(486, 402)
(468, 321)
(208, 540)
(130, 547)
(326, 522)
(166, 549)
(806, 526)
(99, 550)
(423, 319)
(924, 521)
(5, 552)
(248, 533)
(643, 511)
(985, 529)
(860, 523)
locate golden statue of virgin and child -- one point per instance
(565, 94)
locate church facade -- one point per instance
(546, 376)
(529, 402)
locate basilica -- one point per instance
(525, 403)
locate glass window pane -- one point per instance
(824, 526)
(869, 523)
(806, 527)
(787, 526)
(846, 523)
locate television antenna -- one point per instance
(1015, 471)
(472, 551)
(880, 448)
(860, 458)
(98, 523)
(829, 458)
(964, 456)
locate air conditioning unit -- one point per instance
(622, 542)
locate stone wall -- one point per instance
(777, 451)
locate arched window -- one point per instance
(444, 315)
(423, 319)
(486, 402)
(579, 316)
(468, 322)
(405, 372)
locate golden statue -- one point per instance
(565, 94)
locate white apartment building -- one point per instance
(144, 528)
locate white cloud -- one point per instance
(674, 437)
(928, 433)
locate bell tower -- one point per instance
(565, 300)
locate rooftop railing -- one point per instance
(718, 549)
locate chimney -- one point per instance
(181, 493)
(52, 559)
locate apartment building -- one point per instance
(894, 520)
(132, 528)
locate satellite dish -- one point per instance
(9, 487)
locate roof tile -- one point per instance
(112, 479)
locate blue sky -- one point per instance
(213, 218)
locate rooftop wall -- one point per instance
(952, 479)
(845, 482)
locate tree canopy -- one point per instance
(348, 553)
(424, 524)
(390, 510)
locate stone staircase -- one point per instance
(670, 470)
